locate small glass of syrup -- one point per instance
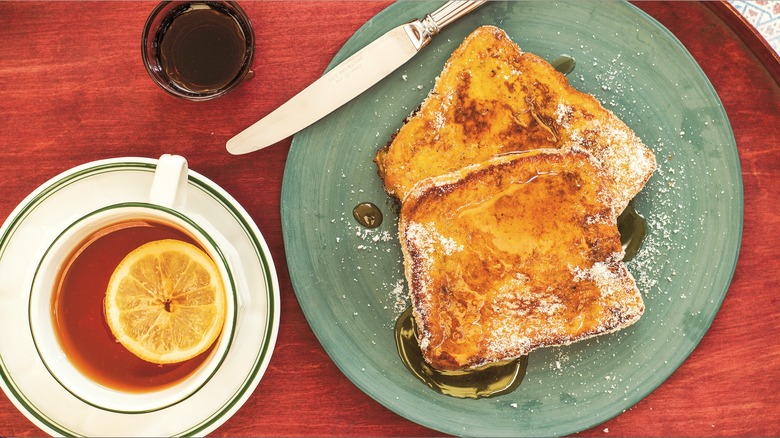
(198, 50)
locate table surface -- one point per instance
(74, 90)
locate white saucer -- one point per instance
(29, 230)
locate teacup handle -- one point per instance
(169, 187)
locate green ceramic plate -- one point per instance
(349, 279)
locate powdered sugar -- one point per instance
(430, 241)
(624, 157)
(563, 114)
(606, 275)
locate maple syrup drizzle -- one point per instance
(633, 230)
(368, 215)
(486, 381)
(564, 64)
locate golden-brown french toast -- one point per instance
(518, 252)
(493, 98)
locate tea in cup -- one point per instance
(68, 315)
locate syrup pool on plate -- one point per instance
(368, 215)
(485, 381)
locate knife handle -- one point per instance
(451, 11)
(420, 32)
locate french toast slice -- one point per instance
(492, 98)
(515, 253)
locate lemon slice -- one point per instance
(165, 301)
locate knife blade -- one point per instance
(349, 79)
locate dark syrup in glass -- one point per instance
(202, 47)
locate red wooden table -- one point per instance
(73, 89)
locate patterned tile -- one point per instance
(764, 15)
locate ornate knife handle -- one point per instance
(421, 31)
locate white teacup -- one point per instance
(166, 205)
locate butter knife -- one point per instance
(349, 79)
